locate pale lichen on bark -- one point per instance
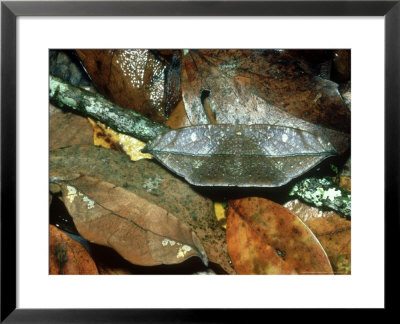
(324, 193)
(96, 106)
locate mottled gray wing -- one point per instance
(239, 155)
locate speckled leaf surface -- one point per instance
(266, 238)
(333, 232)
(140, 231)
(239, 155)
(131, 78)
(152, 182)
(247, 86)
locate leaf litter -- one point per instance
(151, 182)
(141, 232)
(218, 86)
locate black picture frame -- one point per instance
(10, 10)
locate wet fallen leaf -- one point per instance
(258, 87)
(133, 79)
(68, 256)
(266, 238)
(151, 182)
(106, 137)
(333, 231)
(140, 231)
(239, 155)
(68, 129)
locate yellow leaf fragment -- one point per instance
(220, 213)
(106, 137)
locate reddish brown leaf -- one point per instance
(133, 79)
(249, 253)
(68, 256)
(265, 238)
(333, 231)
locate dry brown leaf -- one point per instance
(68, 129)
(153, 183)
(68, 256)
(265, 238)
(140, 231)
(333, 231)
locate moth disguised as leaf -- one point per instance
(239, 155)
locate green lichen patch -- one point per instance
(324, 193)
